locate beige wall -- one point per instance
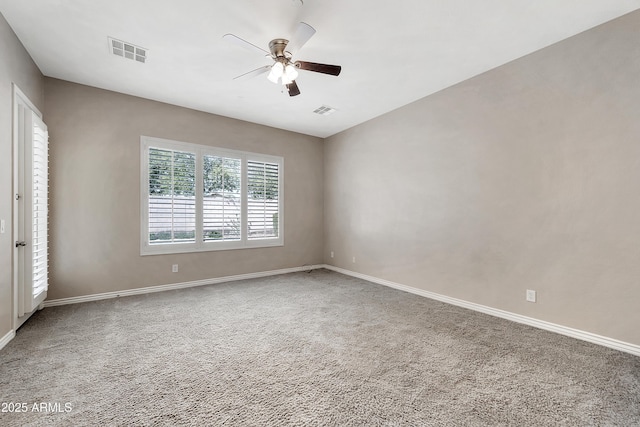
(525, 177)
(17, 67)
(95, 191)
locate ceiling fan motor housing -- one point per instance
(277, 48)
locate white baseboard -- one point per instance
(172, 286)
(8, 337)
(563, 330)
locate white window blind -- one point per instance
(221, 195)
(40, 168)
(202, 198)
(262, 199)
(172, 201)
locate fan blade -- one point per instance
(253, 73)
(244, 44)
(302, 35)
(293, 88)
(333, 70)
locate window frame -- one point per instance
(200, 245)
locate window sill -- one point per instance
(180, 248)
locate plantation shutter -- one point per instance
(221, 204)
(40, 193)
(197, 198)
(172, 201)
(262, 200)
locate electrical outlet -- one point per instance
(354, 260)
(531, 295)
(174, 268)
(331, 254)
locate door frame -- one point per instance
(19, 99)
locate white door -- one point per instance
(31, 212)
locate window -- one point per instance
(222, 198)
(262, 199)
(172, 196)
(201, 198)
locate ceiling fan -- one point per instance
(285, 69)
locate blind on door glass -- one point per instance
(262, 200)
(172, 202)
(40, 196)
(221, 198)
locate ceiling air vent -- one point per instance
(127, 50)
(324, 110)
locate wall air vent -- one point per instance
(127, 50)
(324, 110)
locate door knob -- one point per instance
(18, 244)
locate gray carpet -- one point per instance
(314, 348)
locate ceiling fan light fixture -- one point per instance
(277, 71)
(272, 78)
(291, 72)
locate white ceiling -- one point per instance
(391, 52)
